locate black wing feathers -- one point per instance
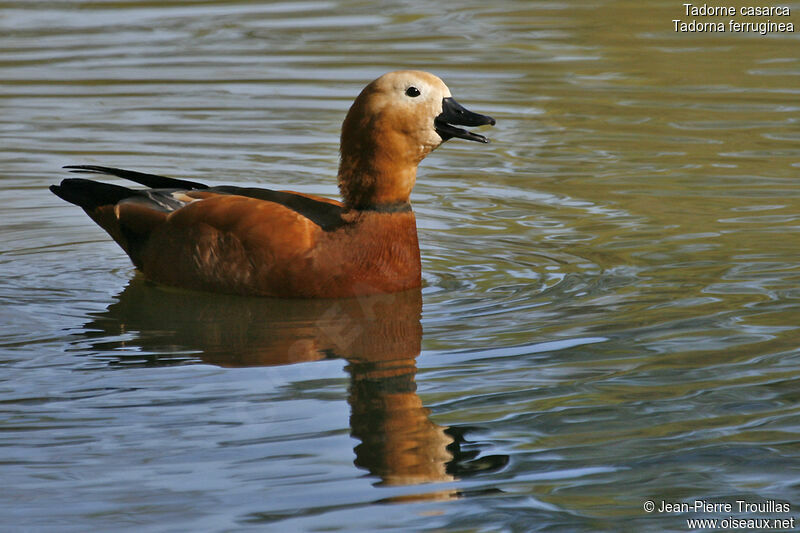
(92, 194)
(325, 215)
(148, 180)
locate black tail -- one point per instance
(90, 194)
(148, 180)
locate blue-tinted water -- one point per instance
(609, 313)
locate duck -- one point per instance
(284, 244)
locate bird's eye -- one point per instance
(412, 91)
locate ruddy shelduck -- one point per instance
(288, 244)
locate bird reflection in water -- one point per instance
(379, 336)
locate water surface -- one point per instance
(610, 305)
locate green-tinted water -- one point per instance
(610, 310)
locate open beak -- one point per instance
(454, 114)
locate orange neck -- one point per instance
(378, 159)
(370, 184)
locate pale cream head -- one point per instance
(390, 128)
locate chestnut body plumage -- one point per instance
(286, 244)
